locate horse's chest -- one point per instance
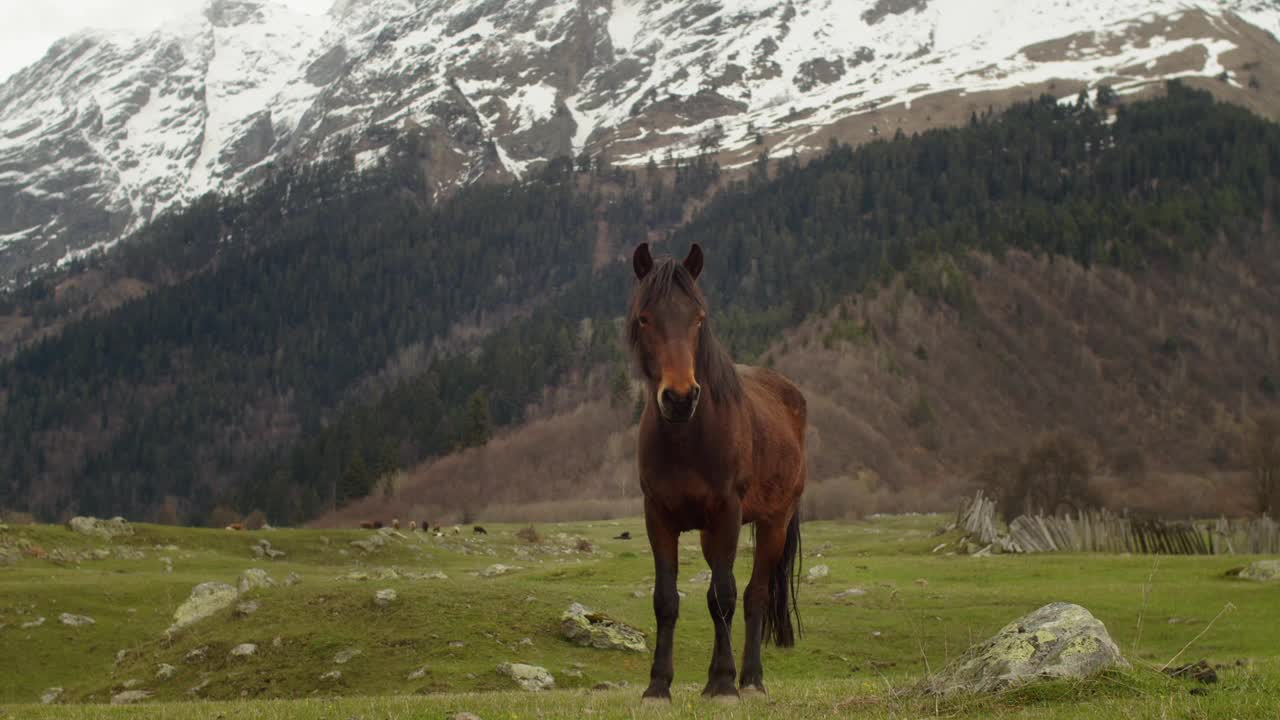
(690, 496)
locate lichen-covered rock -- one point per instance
(1059, 641)
(528, 677)
(1262, 571)
(332, 676)
(75, 620)
(50, 696)
(206, 599)
(255, 578)
(591, 629)
(128, 697)
(345, 656)
(164, 671)
(247, 608)
(105, 529)
(385, 597)
(817, 572)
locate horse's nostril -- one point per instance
(670, 397)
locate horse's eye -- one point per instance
(644, 321)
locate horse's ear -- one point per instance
(693, 263)
(642, 261)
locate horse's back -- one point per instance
(771, 391)
(778, 415)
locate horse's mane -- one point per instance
(713, 365)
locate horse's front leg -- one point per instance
(665, 543)
(720, 547)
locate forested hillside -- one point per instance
(262, 376)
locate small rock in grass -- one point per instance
(464, 716)
(344, 656)
(419, 673)
(817, 572)
(33, 624)
(130, 683)
(206, 599)
(254, 578)
(385, 597)
(244, 650)
(165, 671)
(497, 569)
(292, 579)
(610, 685)
(75, 620)
(129, 697)
(1261, 571)
(528, 677)
(277, 642)
(850, 593)
(199, 687)
(197, 654)
(247, 607)
(457, 644)
(50, 696)
(591, 629)
(332, 676)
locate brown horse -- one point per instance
(719, 446)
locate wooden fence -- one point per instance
(1104, 531)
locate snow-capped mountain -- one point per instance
(109, 129)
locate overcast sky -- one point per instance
(29, 27)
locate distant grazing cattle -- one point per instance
(371, 524)
(395, 523)
(479, 530)
(236, 526)
(413, 525)
(457, 529)
(626, 535)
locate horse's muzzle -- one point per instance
(676, 407)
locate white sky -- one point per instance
(29, 27)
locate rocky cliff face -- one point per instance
(109, 129)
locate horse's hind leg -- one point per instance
(720, 548)
(771, 539)
(666, 602)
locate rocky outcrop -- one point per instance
(1060, 641)
(104, 529)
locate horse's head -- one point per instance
(665, 329)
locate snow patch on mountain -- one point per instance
(111, 128)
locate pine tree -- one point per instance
(479, 422)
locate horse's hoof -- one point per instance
(656, 697)
(752, 691)
(726, 693)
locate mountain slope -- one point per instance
(110, 129)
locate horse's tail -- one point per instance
(784, 587)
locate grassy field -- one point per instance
(861, 655)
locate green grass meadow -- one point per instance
(861, 656)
